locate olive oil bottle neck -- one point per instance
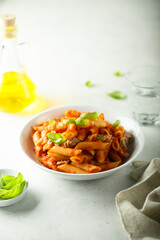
(9, 56)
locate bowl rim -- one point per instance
(38, 164)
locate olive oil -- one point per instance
(16, 92)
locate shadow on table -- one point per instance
(27, 204)
(104, 188)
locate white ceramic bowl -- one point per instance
(8, 202)
(129, 124)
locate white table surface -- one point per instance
(72, 42)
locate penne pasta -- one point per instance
(81, 158)
(104, 166)
(82, 133)
(94, 129)
(91, 151)
(72, 113)
(101, 116)
(92, 145)
(52, 127)
(38, 128)
(114, 156)
(44, 133)
(47, 146)
(60, 127)
(100, 155)
(104, 131)
(80, 143)
(115, 144)
(47, 161)
(114, 164)
(65, 151)
(119, 131)
(57, 157)
(92, 137)
(36, 137)
(88, 167)
(70, 133)
(99, 123)
(71, 169)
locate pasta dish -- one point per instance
(80, 143)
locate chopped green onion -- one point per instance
(118, 74)
(70, 120)
(56, 137)
(101, 138)
(91, 116)
(117, 95)
(88, 83)
(117, 122)
(81, 122)
(51, 121)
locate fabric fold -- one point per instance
(139, 205)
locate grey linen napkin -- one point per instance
(139, 205)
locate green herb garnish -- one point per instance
(51, 121)
(117, 122)
(101, 138)
(81, 122)
(91, 116)
(70, 120)
(88, 83)
(11, 186)
(118, 74)
(13, 182)
(56, 137)
(117, 95)
(6, 179)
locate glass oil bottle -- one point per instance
(17, 91)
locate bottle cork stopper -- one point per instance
(8, 29)
(7, 20)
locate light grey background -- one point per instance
(72, 42)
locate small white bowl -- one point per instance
(129, 124)
(8, 202)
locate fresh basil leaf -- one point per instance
(70, 120)
(14, 182)
(81, 122)
(88, 83)
(117, 95)
(101, 138)
(91, 116)
(11, 186)
(56, 137)
(13, 192)
(5, 180)
(117, 122)
(118, 74)
(60, 140)
(51, 121)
